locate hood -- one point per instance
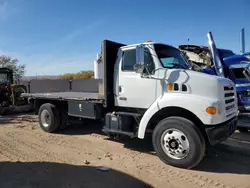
(236, 59)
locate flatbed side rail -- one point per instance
(63, 97)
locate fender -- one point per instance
(195, 104)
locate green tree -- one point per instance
(8, 62)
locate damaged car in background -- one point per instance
(225, 63)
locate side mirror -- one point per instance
(139, 66)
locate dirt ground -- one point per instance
(30, 157)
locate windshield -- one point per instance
(170, 57)
(238, 69)
(238, 73)
(3, 78)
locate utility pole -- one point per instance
(242, 41)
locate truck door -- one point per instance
(133, 89)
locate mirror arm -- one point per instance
(147, 71)
(146, 76)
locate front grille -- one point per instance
(230, 107)
(228, 88)
(229, 97)
(229, 101)
(229, 94)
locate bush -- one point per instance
(79, 75)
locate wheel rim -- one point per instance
(45, 118)
(175, 143)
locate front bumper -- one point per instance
(220, 132)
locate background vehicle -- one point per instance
(247, 54)
(149, 87)
(10, 93)
(225, 63)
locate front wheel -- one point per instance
(178, 142)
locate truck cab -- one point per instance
(165, 76)
(150, 88)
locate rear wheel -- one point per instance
(178, 142)
(49, 118)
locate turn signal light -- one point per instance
(170, 86)
(211, 110)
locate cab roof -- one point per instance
(147, 43)
(5, 70)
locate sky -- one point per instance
(54, 37)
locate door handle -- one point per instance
(123, 98)
(120, 89)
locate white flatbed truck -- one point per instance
(149, 87)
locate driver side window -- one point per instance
(3, 78)
(129, 60)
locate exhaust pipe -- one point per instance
(215, 55)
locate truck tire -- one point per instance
(49, 118)
(178, 142)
